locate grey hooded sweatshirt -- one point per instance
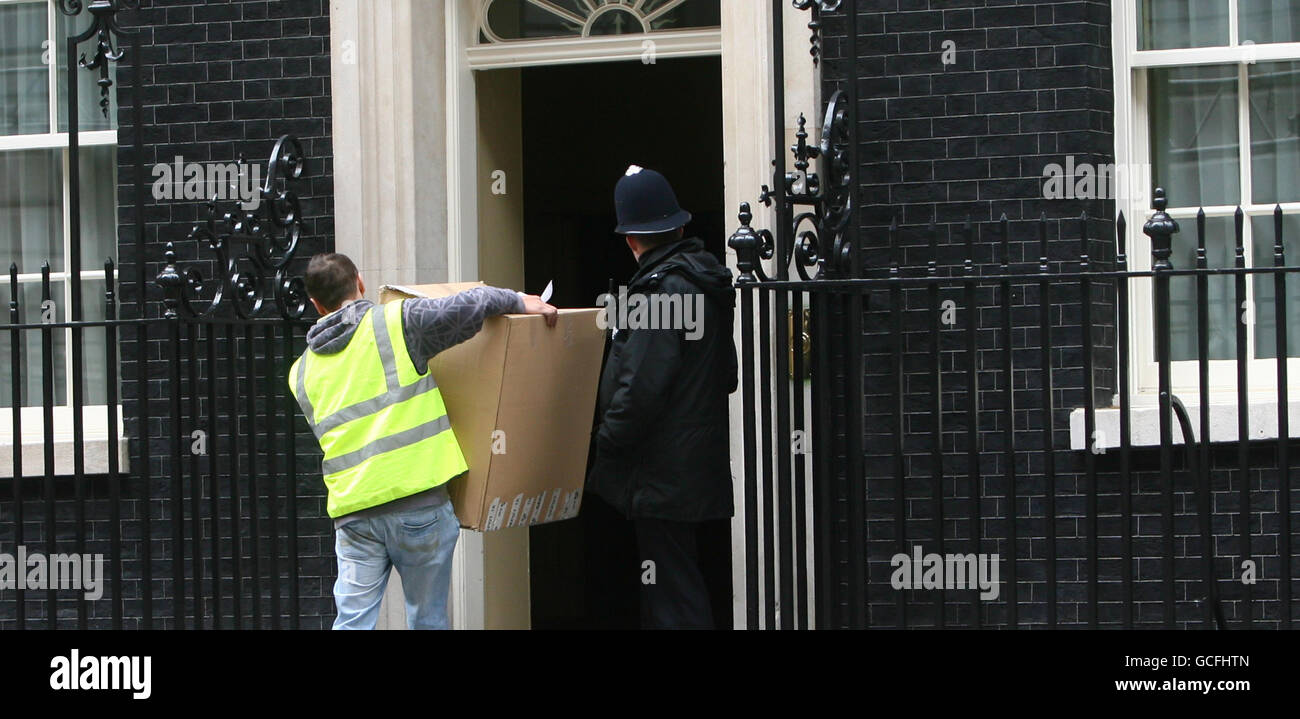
(429, 326)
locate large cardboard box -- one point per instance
(520, 396)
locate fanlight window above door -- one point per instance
(512, 20)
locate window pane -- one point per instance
(98, 206)
(1168, 24)
(31, 209)
(616, 22)
(1275, 131)
(1194, 144)
(24, 69)
(29, 346)
(1219, 252)
(90, 116)
(531, 19)
(98, 242)
(1269, 20)
(514, 19)
(1265, 311)
(92, 343)
(692, 13)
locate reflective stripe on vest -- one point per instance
(382, 425)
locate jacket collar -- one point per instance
(652, 258)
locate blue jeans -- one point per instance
(419, 543)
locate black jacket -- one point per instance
(662, 439)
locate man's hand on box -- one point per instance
(533, 305)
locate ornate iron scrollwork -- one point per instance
(815, 22)
(820, 237)
(818, 192)
(269, 236)
(104, 27)
(836, 202)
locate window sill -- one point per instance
(94, 452)
(95, 442)
(1145, 421)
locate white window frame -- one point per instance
(95, 417)
(1132, 149)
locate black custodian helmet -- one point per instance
(645, 204)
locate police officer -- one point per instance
(365, 388)
(662, 440)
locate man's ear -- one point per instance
(319, 309)
(631, 244)
(361, 286)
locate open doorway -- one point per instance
(582, 125)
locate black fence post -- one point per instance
(16, 385)
(1009, 400)
(1048, 439)
(49, 315)
(1203, 497)
(975, 477)
(1161, 229)
(898, 399)
(936, 413)
(1091, 439)
(170, 282)
(114, 469)
(1283, 420)
(1125, 419)
(1243, 412)
(745, 242)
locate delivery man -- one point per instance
(662, 440)
(365, 389)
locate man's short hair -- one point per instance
(331, 278)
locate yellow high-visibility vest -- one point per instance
(382, 425)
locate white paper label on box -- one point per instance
(538, 501)
(514, 509)
(571, 504)
(527, 517)
(555, 502)
(496, 512)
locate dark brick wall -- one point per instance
(220, 80)
(1030, 85)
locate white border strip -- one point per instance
(1241, 54)
(53, 140)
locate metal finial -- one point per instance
(745, 242)
(1161, 228)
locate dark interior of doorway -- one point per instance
(582, 126)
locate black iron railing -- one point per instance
(904, 428)
(197, 525)
(224, 444)
(994, 370)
